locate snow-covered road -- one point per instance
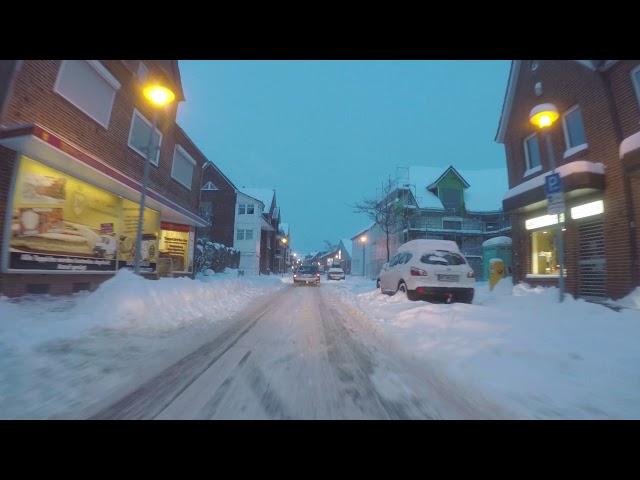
(300, 353)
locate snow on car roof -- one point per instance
(422, 245)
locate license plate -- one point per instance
(448, 278)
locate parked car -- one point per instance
(307, 274)
(429, 270)
(335, 273)
(385, 266)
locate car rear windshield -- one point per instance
(308, 270)
(335, 269)
(442, 257)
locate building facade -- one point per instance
(73, 145)
(218, 205)
(249, 223)
(596, 145)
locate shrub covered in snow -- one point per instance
(215, 256)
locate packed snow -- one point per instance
(60, 354)
(520, 347)
(497, 241)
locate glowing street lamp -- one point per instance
(543, 117)
(363, 241)
(159, 97)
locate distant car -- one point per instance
(307, 274)
(335, 273)
(429, 270)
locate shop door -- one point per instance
(592, 264)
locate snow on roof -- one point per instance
(578, 166)
(482, 194)
(496, 241)
(363, 230)
(265, 195)
(429, 244)
(346, 243)
(630, 144)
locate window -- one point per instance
(573, 130)
(248, 234)
(532, 154)
(250, 209)
(242, 209)
(143, 72)
(635, 79)
(240, 234)
(183, 166)
(452, 224)
(544, 259)
(139, 137)
(89, 86)
(442, 257)
(394, 260)
(209, 186)
(450, 197)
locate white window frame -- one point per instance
(245, 234)
(105, 74)
(577, 148)
(636, 85)
(530, 170)
(240, 233)
(143, 154)
(253, 207)
(183, 152)
(242, 209)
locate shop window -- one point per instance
(544, 260)
(139, 137)
(573, 130)
(532, 154)
(176, 243)
(89, 86)
(183, 166)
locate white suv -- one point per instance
(429, 269)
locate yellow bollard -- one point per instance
(496, 272)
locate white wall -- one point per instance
(249, 249)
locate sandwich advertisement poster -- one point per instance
(61, 223)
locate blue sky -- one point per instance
(325, 133)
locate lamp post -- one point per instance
(159, 97)
(543, 117)
(363, 241)
(284, 241)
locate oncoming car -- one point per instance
(307, 274)
(429, 270)
(335, 273)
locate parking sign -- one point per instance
(552, 184)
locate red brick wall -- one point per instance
(34, 101)
(626, 102)
(567, 83)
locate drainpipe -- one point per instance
(635, 276)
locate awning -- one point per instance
(630, 152)
(579, 178)
(44, 146)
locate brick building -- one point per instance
(218, 197)
(73, 143)
(596, 144)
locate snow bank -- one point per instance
(519, 346)
(632, 300)
(59, 354)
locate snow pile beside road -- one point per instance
(59, 354)
(519, 346)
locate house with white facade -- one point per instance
(248, 226)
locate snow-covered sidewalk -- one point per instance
(520, 347)
(60, 354)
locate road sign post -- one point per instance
(555, 206)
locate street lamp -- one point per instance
(284, 241)
(363, 241)
(543, 117)
(159, 97)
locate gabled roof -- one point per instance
(266, 196)
(455, 172)
(346, 244)
(363, 230)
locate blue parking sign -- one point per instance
(552, 184)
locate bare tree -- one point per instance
(388, 211)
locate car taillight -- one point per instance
(470, 274)
(418, 272)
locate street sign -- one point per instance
(555, 204)
(552, 184)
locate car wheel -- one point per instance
(402, 288)
(378, 284)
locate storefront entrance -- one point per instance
(592, 263)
